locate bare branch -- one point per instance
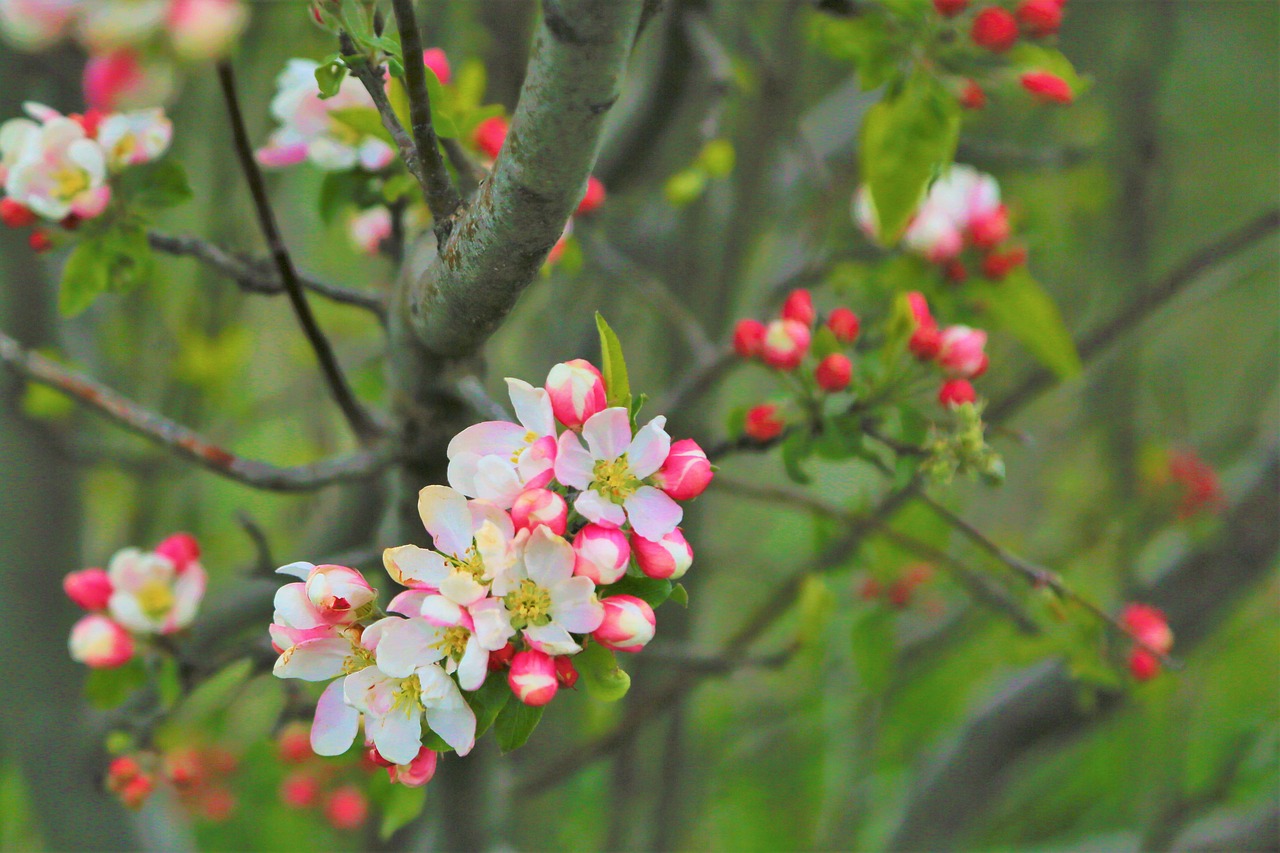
(186, 442)
(253, 278)
(361, 424)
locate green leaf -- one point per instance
(399, 807)
(1019, 305)
(816, 605)
(329, 78)
(363, 120)
(441, 120)
(155, 186)
(488, 702)
(685, 187)
(516, 721)
(907, 139)
(337, 191)
(680, 595)
(255, 710)
(215, 693)
(108, 688)
(873, 649)
(651, 590)
(169, 682)
(600, 672)
(717, 158)
(85, 276)
(617, 385)
(796, 448)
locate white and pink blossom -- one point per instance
(99, 642)
(961, 352)
(55, 170)
(577, 392)
(36, 24)
(785, 344)
(628, 624)
(416, 773)
(498, 460)
(539, 508)
(686, 473)
(131, 139)
(533, 678)
(601, 554)
(204, 29)
(667, 558)
(543, 598)
(368, 229)
(150, 595)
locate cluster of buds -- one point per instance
(488, 138)
(140, 594)
(331, 789)
(57, 169)
(787, 344)
(539, 542)
(132, 46)
(899, 592)
(200, 775)
(996, 28)
(958, 351)
(962, 449)
(130, 781)
(1148, 626)
(960, 224)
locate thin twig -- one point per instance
(363, 425)
(442, 198)
(186, 442)
(253, 278)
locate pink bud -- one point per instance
(88, 588)
(668, 558)
(109, 76)
(566, 672)
(1144, 665)
(1039, 17)
(416, 773)
(844, 324)
(435, 59)
(960, 351)
(593, 198)
(785, 344)
(920, 309)
(204, 29)
(995, 29)
(834, 372)
(748, 338)
(181, 549)
(989, 228)
(533, 677)
(501, 659)
(537, 508)
(98, 642)
(924, 342)
(763, 422)
(338, 592)
(601, 554)
(299, 790)
(955, 392)
(294, 744)
(489, 135)
(799, 307)
(628, 624)
(687, 471)
(346, 808)
(577, 392)
(997, 265)
(1047, 88)
(1149, 625)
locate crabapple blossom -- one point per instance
(1142, 664)
(576, 390)
(151, 594)
(628, 624)
(601, 554)
(393, 709)
(497, 460)
(613, 469)
(995, 29)
(131, 139)
(533, 677)
(336, 592)
(989, 228)
(346, 808)
(544, 599)
(1149, 625)
(128, 781)
(763, 423)
(98, 642)
(121, 78)
(57, 169)
(748, 337)
(667, 558)
(834, 372)
(90, 589)
(417, 772)
(785, 344)
(446, 632)
(293, 745)
(686, 473)
(1047, 88)
(960, 352)
(844, 324)
(799, 307)
(540, 507)
(368, 229)
(501, 659)
(956, 392)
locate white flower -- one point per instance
(149, 595)
(443, 631)
(611, 472)
(57, 171)
(130, 139)
(497, 460)
(544, 599)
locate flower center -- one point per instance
(529, 605)
(69, 183)
(408, 695)
(613, 479)
(155, 598)
(454, 642)
(471, 563)
(360, 658)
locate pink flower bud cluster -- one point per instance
(56, 170)
(198, 774)
(1149, 627)
(553, 531)
(960, 225)
(786, 345)
(336, 789)
(959, 351)
(138, 595)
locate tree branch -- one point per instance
(442, 198)
(252, 278)
(361, 424)
(501, 240)
(186, 442)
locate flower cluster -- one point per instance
(960, 224)
(335, 790)
(140, 594)
(132, 44)
(1149, 626)
(199, 775)
(533, 546)
(959, 351)
(57, 169)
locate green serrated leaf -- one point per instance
(399, 807)
(108, 688)
(1020, 306)
(599, 669)
(516, 721)
(363, 120)
(651, 590)
(617, 385)
(680, 595)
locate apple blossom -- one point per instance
(834, 372)
(501, 659)
(181, 548)
(990, 227)
(844, 324)
(497, 460)
(128, 781)
(204, 29)
(533, 677)
(57, 170)
(613, 470)
(393, 709)
(130, 139)
(40, 241)
(417, 772)
(369, 228)
(785, 344)
(686, 473)
(665, 558)
(537, 508)
(445, 632)
(90, 589)
(960, 351)
(576, 391)
(337, 593)
(601, 554)
(544, 599)
(799, 307)
(628, 624)
(748, 337)
(1142, 664)
(149, 595)
(1149, 626)
(98, 642)
(36, 24)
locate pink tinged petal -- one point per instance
(448, 714)
(628, 625)
(533, 407)
(551, 639)
(188, 591)
(446, 516)
(409, 602)
(490, 438)
(98, 642)
(497, 480)
(313, 660)
(608, 433)
(537, 464)
(593, 507)
(442, 612)
(462, 472)
(408, 645)
(372, 635)
(397, 734)
(574, 606)
(474, 665)
(491, 623)
(335, 724)
(126, 610)
(412, 566)
(462, 588)
(482, 511)
(294, 609)
(652, 513)
(573, 465)
(278, 156)
(548, 558)
(649, 449)
(298, 570)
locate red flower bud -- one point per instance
(489, 135)
(294, 745)
(1040, 17)
(1047, 88)
(15, 214)
(88, 588)
(748, 337)
(299, 790)
(799, 307)
(346, 808)
(181, 548)
(1142, 664)
(593, 198)
(40, 241)
(995, 29)
(972, 97)
(844, 324)
(925, 342)
(955, 392)
(955, 271)
(997, 265)
(989, 229)
(950, 8)
(566, 673)
(501, 659)
(763, 423)
(834, 372)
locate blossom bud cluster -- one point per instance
(1150, 628)
(336, 789)
(198, 774)
(1200, 490)
(57, 169)
(961, 224)
(550, 529)
(959, 351)
(899, 592)
(141, 593)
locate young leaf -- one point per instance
(1020, 305)
(85, 276)
(650, 590)
(680, 595)
(617, 385)
(488, 702)
(516, 721)
(601, 674)
(441, 120)
(329, 78)
(795, 450)
(400, 806)
(108, 688)
(363, 120)
(155, 186)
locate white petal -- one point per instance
(462, 588)
(442, 612)
(397, 735)
(446, 516)
(474, 665)
(652, 513)
(649, 448)
(533, 407)
(490, 438)
(313, 660)
(335, 724)
(409, 602)
(462, 472)
(595, 508)
(608, 433)
(491, 623)
(574, 606)
(573, 464)
(498, 480)
(298, 570)
(551, 639)
(412, 566)
(407, 645)
(548, 558)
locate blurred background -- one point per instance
(855, 722)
